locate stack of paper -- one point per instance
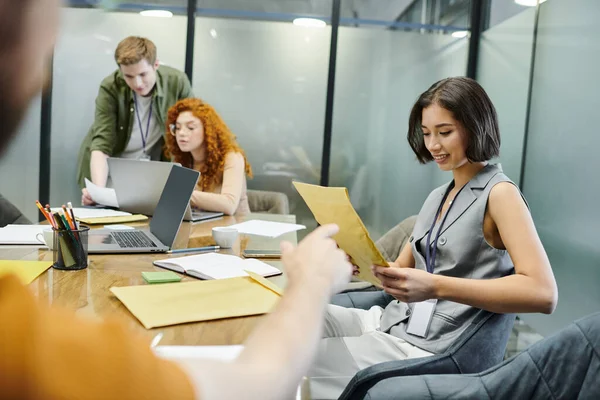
(266, 228)
(93, 212)
(113, 220)
(92, 216)
(21, 234)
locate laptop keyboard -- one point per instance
(132, 239)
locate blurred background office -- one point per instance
(320, 90)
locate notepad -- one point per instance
(26, 271)
(21, 234)
(217, 266)
(178, 303)
(161, 277)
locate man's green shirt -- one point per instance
(115, 113)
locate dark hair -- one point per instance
(471, 106)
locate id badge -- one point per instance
(420, 318)
(144, 157)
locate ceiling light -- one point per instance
(310, 22)
(157, 13)
(460, 34)
(528, 3)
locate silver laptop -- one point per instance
(165, 223)
(138, 185)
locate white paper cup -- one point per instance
(224, 236)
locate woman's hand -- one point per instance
(86, 199)
(355, 268)
(408, 285)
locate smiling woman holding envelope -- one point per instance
(474, 246)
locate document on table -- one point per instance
(179, 303)
(224, 354)
(331, 205)
(92, 212)
(21, 234)
(102, 195)
(25, 270)
(266, 228)
(220, 353)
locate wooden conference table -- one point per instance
(87, 291)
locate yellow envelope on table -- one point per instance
(26, 271)
(331, 205)
(178, 303)
(120, 219)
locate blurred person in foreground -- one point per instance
(48, 353)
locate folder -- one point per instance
(26, 271)
(178, 303)
(113, 220)
(331, 205)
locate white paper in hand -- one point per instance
(100, 195)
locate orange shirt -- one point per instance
(47, 353)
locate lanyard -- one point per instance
(137, 113)
(431, 254)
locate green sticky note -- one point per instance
(161, 277)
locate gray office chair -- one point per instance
(563, 366)
(480, 346)
(9, 214)
(268, 202)
(394, 240)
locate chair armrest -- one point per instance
(365, 379)
(362, 300)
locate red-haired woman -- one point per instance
(198, 138)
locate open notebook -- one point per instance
(217, 266)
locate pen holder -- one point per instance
(71, 248)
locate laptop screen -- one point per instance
(173, 202)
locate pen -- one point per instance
(156, 339)
(44, 213)
(197, 249)
(68, 217)
(51, 217)
(70, 205)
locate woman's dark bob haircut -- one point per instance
(470, 106)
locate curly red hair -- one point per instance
(218, 139)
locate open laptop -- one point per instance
(165, 223)
(138, 185)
